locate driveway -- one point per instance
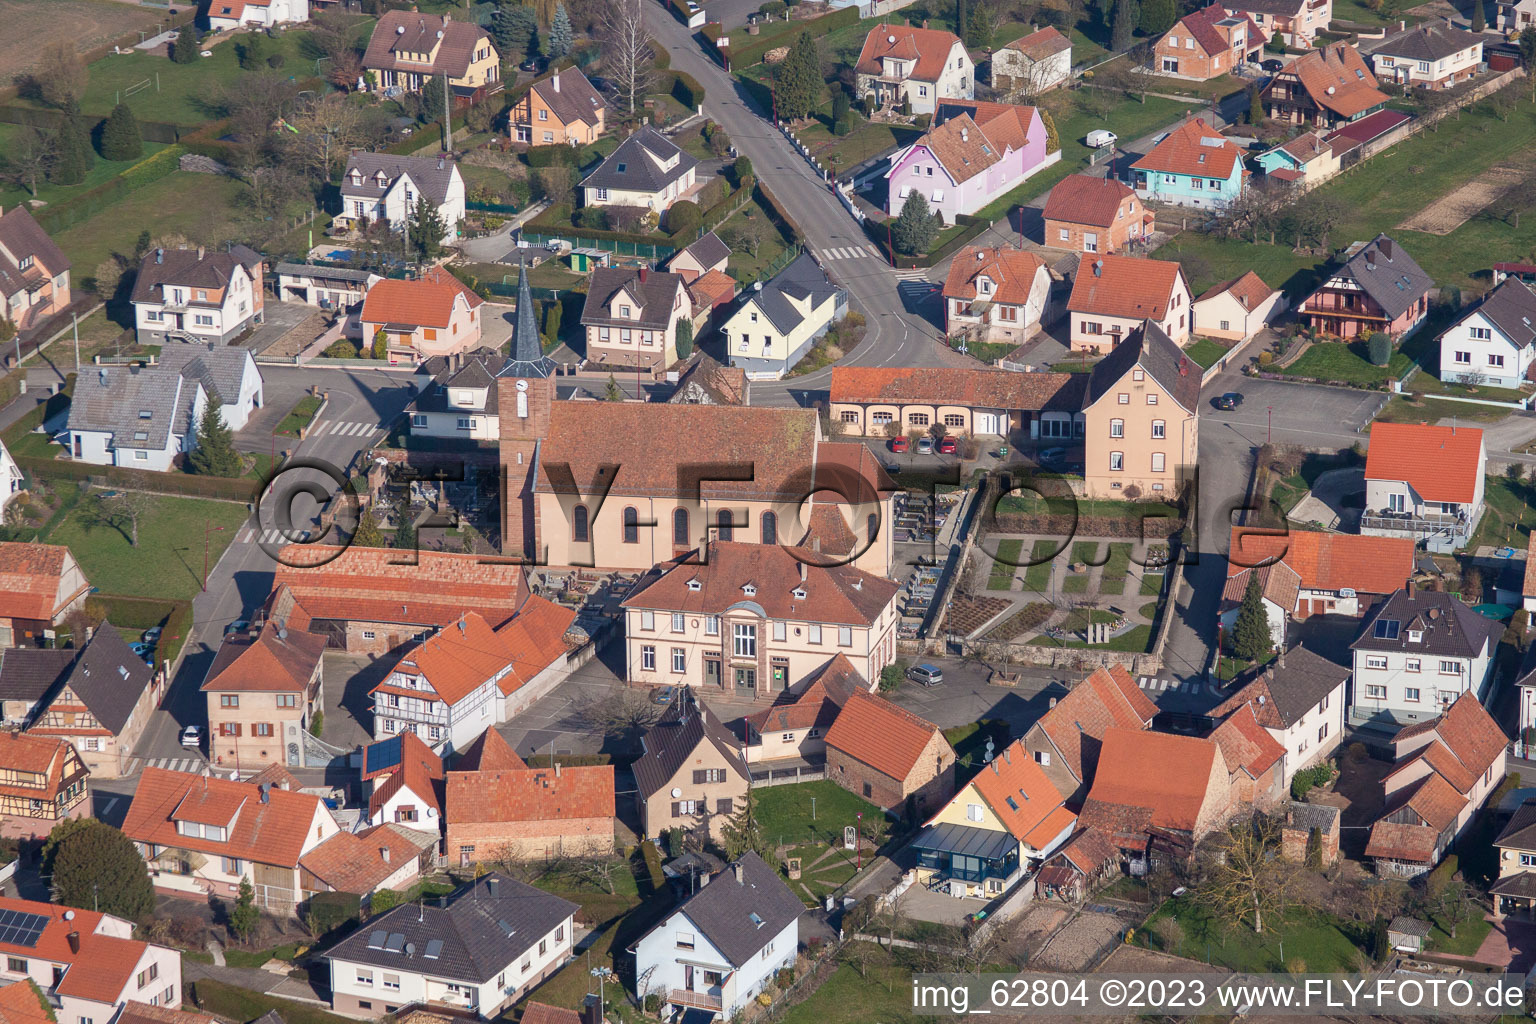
(349, 678)
(1311, 415)
(496, 322)
(278, 319)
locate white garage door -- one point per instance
(986, 423)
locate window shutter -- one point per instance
(700, 776)
(677, 809)
(723, 805)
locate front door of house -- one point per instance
(746, 679)
(712, 672)
(688, 977)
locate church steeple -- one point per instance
(527, 358)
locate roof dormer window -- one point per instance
(798, 593)
(695, 585)
(624, 312)
(750, 589)
(1415, 636)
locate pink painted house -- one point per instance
(975, 152)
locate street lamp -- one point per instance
(206, 531)
(858, 849)
(602, 974)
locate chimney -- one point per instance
(1386, 248)
(492, 887)
(645, 272)
(74, 941)
(1370, 259)
(741, 875)
(802, 572)
(1280, 660)
(200, 252)
(557, 769)
(1006, 756)
(1408, 587)
(556, 80)
(384, 854)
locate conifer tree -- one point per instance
(120, 136)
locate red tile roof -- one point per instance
(949, 385)
(269, 833)
(1469, 742)
(455, 661)
(816, 704)
(377, 585)
(1412, 843)
(768, 575)
(426, 302)
(143, 1013)
(930, 48)
(712, 289)
(1201, 25)
(30, 578)
(273, 659)
(534, 640)
(1336, 78)
(1244, 743)
(420, 770)
(47, 756)
(353, 862)
(403, 32)
(21, 1002)
(488, 752)
(1440, 463)
(969, 136)
(1107, 698)
(1042, 44)
(543, 1013)
(112, 963)
(1325, 561)
(888, 738)
(529, 794)
(1125, 286)
(1249, 290)
(1013, 273)
(1162, 774)
(1084, 199)
(1193, 148)
(1437, 802)
(1035, 813)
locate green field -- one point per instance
(168, 561)
(881, 992)
(787, 812)
(1006, 564)
(188, 93)
(13, 193)
(1348, 363)
(1322, 943)
(1206, 352)
(1383, 192)
(839, 153)
(200, 206)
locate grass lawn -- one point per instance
(1206, 352)
(196, 205)
(169, 559)
(1346, 363)
(742, 265)
(242, 1004)
(1469, 935)
(1401, 409)
(1134, 641)
(1075, 583)
(1034, 504)
(1086, 552)
(1151, 584)
(1323, 943)
(784, 812)
(300, 416)
(840, 152)
(14, 193)
(1357, 12)
(883, 993)
(1084, 49)
(1037, 577)
(1006, 564)
(1118, 565)
(1381, 194)
(182, 93)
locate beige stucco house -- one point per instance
(691, 773)
(648, 170)
(904, 64)
(1112, 295)
(755, 619)
(1140, 431)
(264, 689)
(1238, 309)
(408, 51)
(631, 316)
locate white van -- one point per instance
(1101, 137)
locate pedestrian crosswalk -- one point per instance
(344, 428)
(1158, 684)
(912, 275)
(852, 252)
(170, 764)
(272, 536)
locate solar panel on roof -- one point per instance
(376, 939)
(396, 942)
(21, 929)
(1387, 629)
(434, 949)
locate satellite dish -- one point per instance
(410, 949)
(69, 915)
(676, 792)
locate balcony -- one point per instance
(698, 1000)
(1456, 527)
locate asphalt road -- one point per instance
(360, 407)
(898, 331)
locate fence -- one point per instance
(619, 247)
(787, 776)
(219, 488)
(501, 208)
(1412, 127)
(55, 218)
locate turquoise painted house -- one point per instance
(1193, 165)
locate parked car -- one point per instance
(1053, 457)
(192, 736)
(1272, 65)
(1230, 400)
(146, 652)
(152, 634)
(893, 468)
(928, 675)
(1101, 137)
(693, 8)
(238, 626)
(925, 446)
(898, 444)
(947, 446)
(663, 694)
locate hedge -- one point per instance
(752, 53)
(777, 211)
(721, 211)
(183, 484)
(568, 760)
(551, 155)
(53, 219)
(686, 89)
(131, 612)
(679, 9)
(878, 233)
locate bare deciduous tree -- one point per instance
(328, 129)
(26, 159)
(61, 75)
(1246, 880)
(621, 712)
(126, 509)
(627, 48)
